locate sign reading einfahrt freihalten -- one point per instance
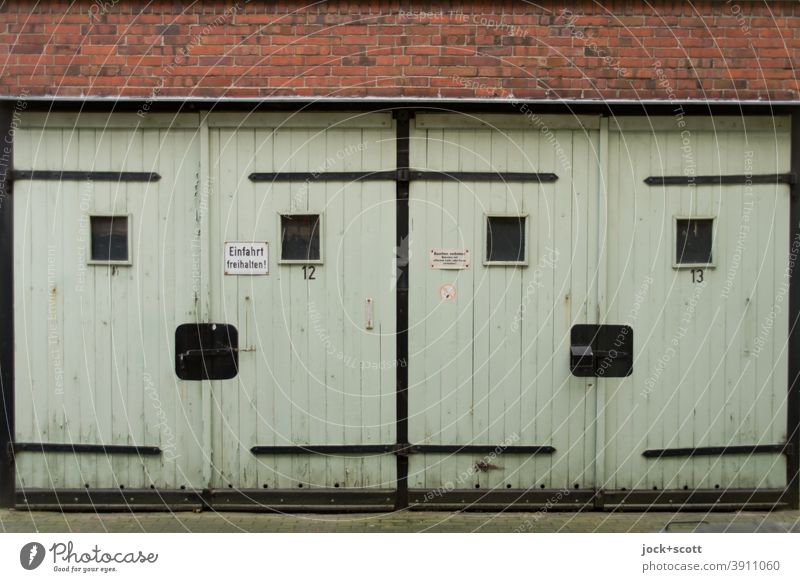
(246, 258)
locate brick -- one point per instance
(359, 40)
(421, 50)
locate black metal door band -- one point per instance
(399, 449)
(403, 175)
(785, 449)
(63, 175)
(84, 448)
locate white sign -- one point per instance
(246, 258)
(449, 259)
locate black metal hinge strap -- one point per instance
(60, 175)
(483, 176)
(322, 449)
(84, 448)
(788, 178)
(403, 449)
(730, 450)
(481, 449)
(321, 176)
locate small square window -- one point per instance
(300, 238)
(505, 239)
(110, 239)
(693, 241)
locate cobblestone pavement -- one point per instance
(405, 521)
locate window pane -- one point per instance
(300, 237)
(109, 238)
(505, 239)
(694, 240)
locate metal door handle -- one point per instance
(369, 311)
(212, 352)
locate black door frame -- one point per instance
(7, 476)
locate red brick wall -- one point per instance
(378, 48)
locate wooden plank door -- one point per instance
(710, 367)
(95, 350)
(316, 335)
(489, 343)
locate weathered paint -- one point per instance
(710, 358)
(95, 344)
(490, 367)
(95, 352)
(312, 373)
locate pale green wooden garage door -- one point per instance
(710, 364)
(317, 360)
(95, 343)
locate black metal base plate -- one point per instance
(696, 500)
(109, 500)
(336, 500)
(285, 500)
(501, 499)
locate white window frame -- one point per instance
(525, 234)
(675, 263)
(96, 262)
(320, 261)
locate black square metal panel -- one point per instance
(206, 351)
(601, 350)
